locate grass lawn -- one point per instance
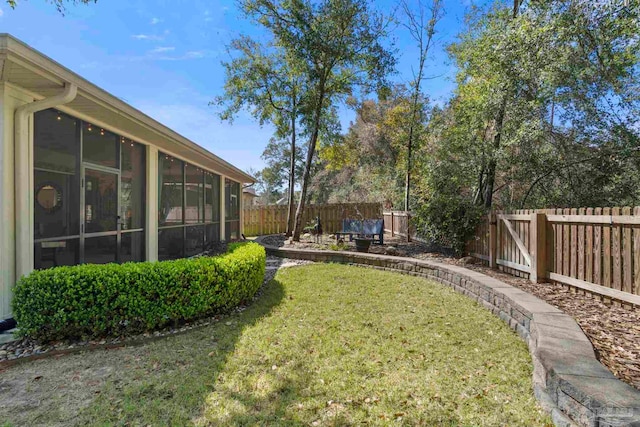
(324, 345)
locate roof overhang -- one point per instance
(41, 77)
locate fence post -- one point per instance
(493, 240)
(408, 226)
(538, 233)
(392, 233)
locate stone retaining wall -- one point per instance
(569, 382)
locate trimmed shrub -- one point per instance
(89, 300)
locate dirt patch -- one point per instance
(53, 391)
(329, 242)
(614, 331)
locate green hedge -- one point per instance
(89, 301)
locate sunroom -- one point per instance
(86, 178)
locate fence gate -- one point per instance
(513, 243)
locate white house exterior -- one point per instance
(85, 177)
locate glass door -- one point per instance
(101, 225)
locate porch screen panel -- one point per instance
(189, 209)
(194, 187)
(113, 186)
(56, 144)
(212, 210)
(232, 210)
(99, 146)
(57, 176)
(132, 200)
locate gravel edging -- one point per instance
(569, 382)
(24, 350)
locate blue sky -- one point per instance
(163, 57)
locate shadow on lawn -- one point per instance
(170, 382)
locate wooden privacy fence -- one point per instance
(272, 219)
(398, 223)
(594, 249)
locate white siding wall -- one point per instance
(10, 99)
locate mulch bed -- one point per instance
(614, 330)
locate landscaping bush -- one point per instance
(89, 301)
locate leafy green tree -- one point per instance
(369, 162)
(544, 114)
(337, 46)
(421, 25)
(262, 80)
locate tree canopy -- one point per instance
(544, 114)
(337, 47)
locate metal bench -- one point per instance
(370, 228)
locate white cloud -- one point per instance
(196, 54)
(162, 49)
(1, 12)
(207, 16)
(167, 53)
(155, 21)
(150, 37)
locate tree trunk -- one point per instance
(297, 228)
(478, 196)
(491, 168)
(292, 170)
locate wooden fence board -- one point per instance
(597, 250)
(588, 270)
(581, 244)
(606, 252)
(272, 219)
(616, 252)
(636, 256)
(627, 244)
(550, 237)
(566, 246)
(603, 253)
(558, 244)
(573, 263)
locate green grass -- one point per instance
(334, 345)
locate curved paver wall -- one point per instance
(569, 382)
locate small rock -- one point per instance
(3, 353)
(468, 260)
(391, 250)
